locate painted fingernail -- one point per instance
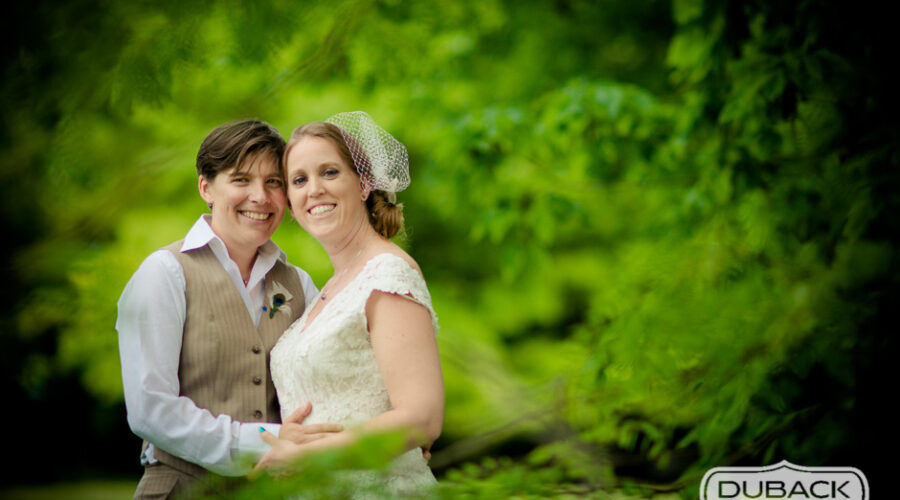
(262, 429)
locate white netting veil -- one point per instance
(381, 161)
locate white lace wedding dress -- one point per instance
(330, 363)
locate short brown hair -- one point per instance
(232, 144)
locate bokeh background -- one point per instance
(660, 235)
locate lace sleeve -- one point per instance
(392, 274)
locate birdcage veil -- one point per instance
(381, 161)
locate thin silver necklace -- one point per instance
(324, 295)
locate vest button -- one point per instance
(256, 349)
(257, 414)
(257, 380)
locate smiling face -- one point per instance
(324, 193)
(247, 204)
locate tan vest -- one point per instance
(224, 364)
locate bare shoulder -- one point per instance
(393, 249)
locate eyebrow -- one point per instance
(241, 173)
(320, 165)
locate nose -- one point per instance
(258, 192)
(315, 186)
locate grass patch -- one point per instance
(88, 490)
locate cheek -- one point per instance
(232, 197)
(295, 199)
(279, 197)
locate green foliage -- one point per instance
(330, 474)
(658, 237)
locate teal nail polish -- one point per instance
(262, 429)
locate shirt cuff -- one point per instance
(250, 445)
(250, 441)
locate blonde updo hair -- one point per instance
(385, 216)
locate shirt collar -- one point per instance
(202, 234)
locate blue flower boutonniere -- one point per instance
(278, 301)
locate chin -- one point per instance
(261, 236)
(320, 234)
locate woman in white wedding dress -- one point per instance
(364, 353)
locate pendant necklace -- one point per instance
(324, 295)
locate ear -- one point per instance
(364, 192)
(204, 188)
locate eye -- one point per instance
(330, 173)
(276, 182)
(299, 180)
(239, 179)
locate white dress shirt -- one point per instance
(150, 325)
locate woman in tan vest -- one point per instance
(197, 320)
(364, 352)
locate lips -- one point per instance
(257, 216)
(321, 209)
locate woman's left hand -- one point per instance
(279, 458)
(293, 429)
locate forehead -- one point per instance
(312, 151)
(257, 164)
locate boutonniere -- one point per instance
(279, 300)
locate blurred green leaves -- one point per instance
(652, 232)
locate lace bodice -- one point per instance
(330, 362)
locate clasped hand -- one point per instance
(295, 439)
(289, 444)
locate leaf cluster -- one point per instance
(659, 237)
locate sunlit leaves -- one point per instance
(646, 226)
